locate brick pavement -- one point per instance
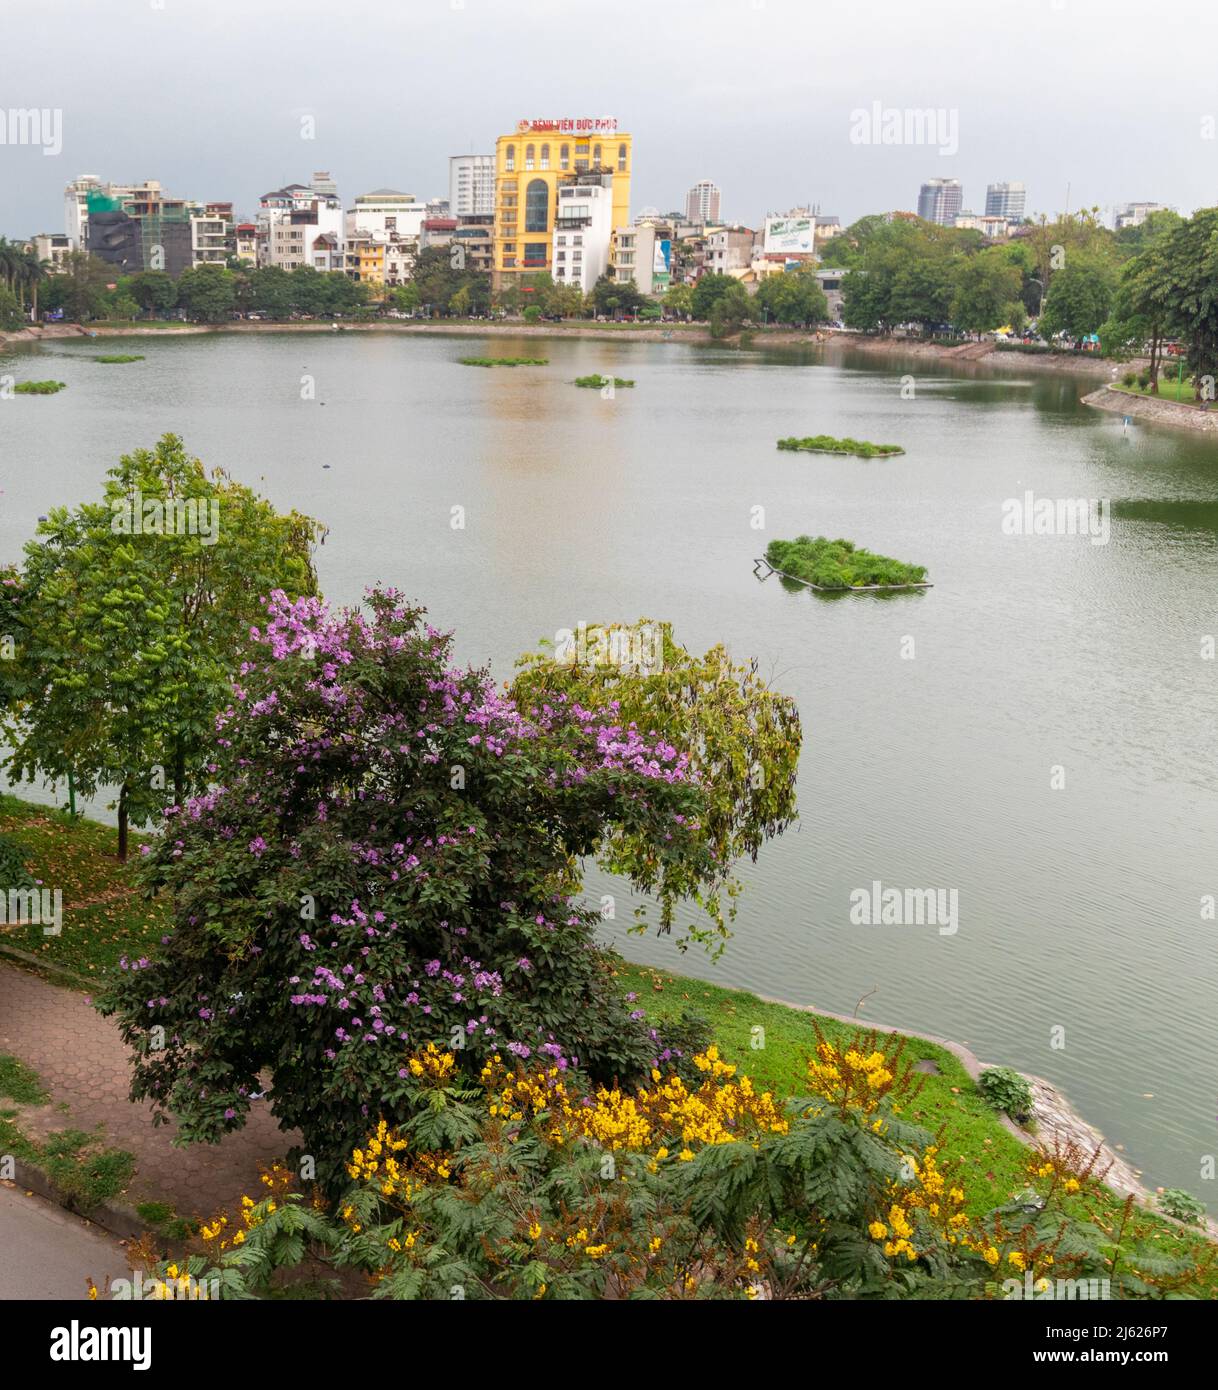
(82, 1062)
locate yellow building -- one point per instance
(530, 166)
(365, 260)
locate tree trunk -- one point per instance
(122, 823)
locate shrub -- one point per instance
(386, 859)
(1182, 1205)
(1143, 380)
(1006, 1090)
(1129, 378)
(13, 873)
(532, 314)
(39, 388)
(529, 1184)
(826, 444)
(838, 564)
(602, 381)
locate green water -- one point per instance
(1079, 907)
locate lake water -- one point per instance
(1080, 906)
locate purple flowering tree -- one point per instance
(388, 857)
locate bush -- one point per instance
(1143, 380)
(39, 388)
(838, 564)
(528, 1184)
(826, 444)
(386, 859)
(532, 314)
(1006, 1090)
(13, 873)
(1182, 1205)
(1129, 378)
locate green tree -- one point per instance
(130, 611)
(731, 311)
(208, 293)
(432, 829)
(1080, 296)
(405, 298)
(1188, 289)
(708, 291)
(678, 301)
(11, 317)
(154, 291)
(271, 292)
(79, 289)
(794, 297)
(988, 287)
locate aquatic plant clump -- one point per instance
(121, 357)
(504, 361)
(39, 388)
(599, 382)
(839, 564)
(827, 444)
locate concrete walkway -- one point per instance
(47, 1253)
(83, 1065)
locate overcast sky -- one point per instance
(1117, 100)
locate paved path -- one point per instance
(82, 1062)
(45, 1252)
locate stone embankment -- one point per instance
(1155, 410)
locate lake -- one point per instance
(1036, 731)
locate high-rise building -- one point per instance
(531, 166)
(702, 202)
(940, 200)
(1006, 200)
(471, 185)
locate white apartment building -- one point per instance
(702, 202)
(643, 253)
(471, 185)
(384, 214)
(729, 250)
(583, 228)
(208, 240)
(1134, 214)
(290, 221)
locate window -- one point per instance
(537, 207)
(509, 162)
(621, 159)
(596, 155)
(561, 255)
(529, 156)
(545, 156)
(564, 157)
(535, 254)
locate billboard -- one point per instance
(661, 262)
(790, 234)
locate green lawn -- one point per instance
(991, 1159)
(104, 916)
(1171, 388)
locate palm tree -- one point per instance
(31, 272)
(10, 255)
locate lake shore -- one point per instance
(1155, 411)
(833, 341)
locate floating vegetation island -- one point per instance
(826, 444)
(600, 382)
(121, 357)
(39, 388)
(840, 564)
(503, 361)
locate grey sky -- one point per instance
(1109, 96)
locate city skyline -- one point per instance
(796, 146)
